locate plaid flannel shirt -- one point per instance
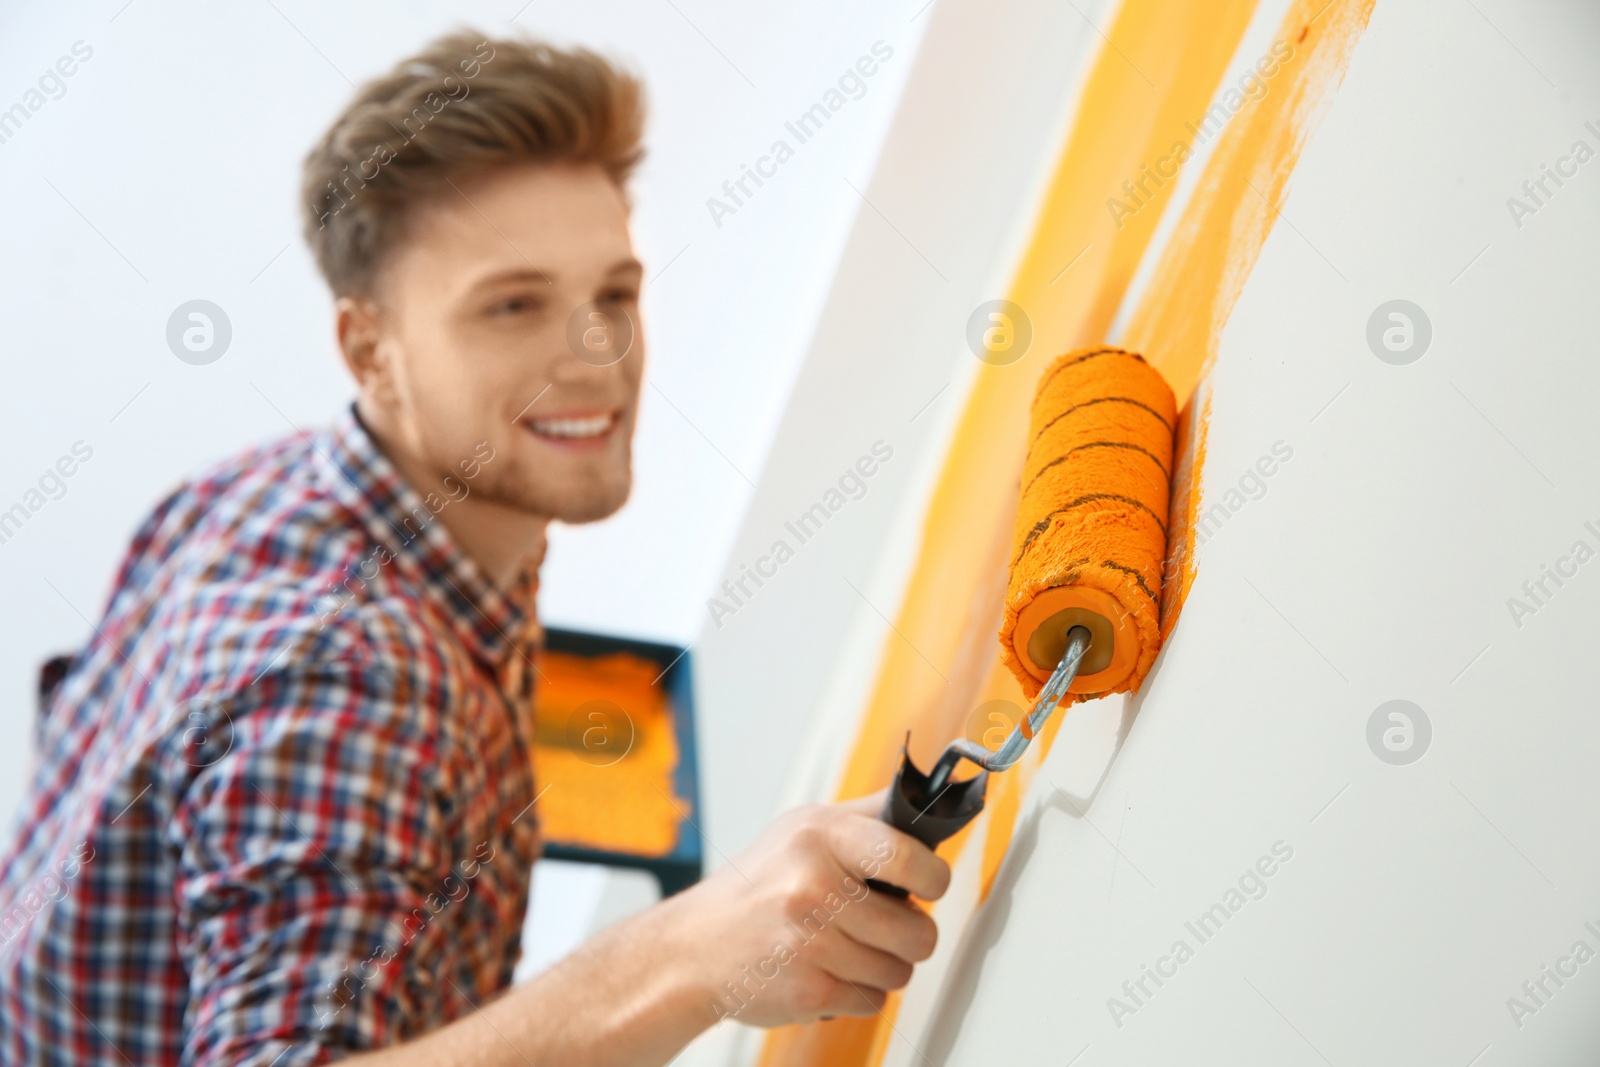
(281, 804)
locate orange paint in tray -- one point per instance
(604, 754)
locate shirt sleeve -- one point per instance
(308, 847)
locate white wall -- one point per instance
(1377, 566)
(168, 171)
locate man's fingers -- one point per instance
(869, 805)
(868, 848)
(858, 1000)
(891, 925)
(850, 961)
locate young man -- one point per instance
(282, 807)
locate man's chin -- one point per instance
(579, 504)
(590, 508)
(564, 492)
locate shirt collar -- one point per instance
(490, 622)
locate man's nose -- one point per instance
(599, 336)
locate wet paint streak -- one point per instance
(1188, 463)
(1181, 316)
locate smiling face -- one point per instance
(509, 313)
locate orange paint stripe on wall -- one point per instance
(1181, 315)
(1122, 126)
(1214, 247)
(1159, 68)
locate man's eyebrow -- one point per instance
(514, 274)
(630, 265)
(626, 266)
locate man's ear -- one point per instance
(358, 325)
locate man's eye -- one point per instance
(513, 305)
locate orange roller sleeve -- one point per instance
(1091, 535)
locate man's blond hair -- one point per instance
(463, 105)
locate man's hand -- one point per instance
(788, 930)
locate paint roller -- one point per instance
(1083, 604)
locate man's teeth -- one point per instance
(592, 426)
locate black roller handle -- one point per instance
(913, 808)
